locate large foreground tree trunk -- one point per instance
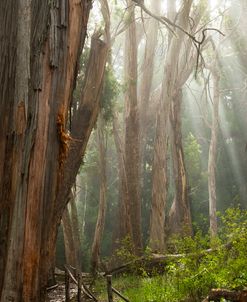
(38, 57)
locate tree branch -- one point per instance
(167, 22)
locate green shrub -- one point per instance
(199, 268)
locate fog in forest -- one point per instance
(190, 156)
(128, 154)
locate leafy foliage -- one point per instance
(191, 277)
(110, 90)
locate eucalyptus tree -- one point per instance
(132, 130)
(99, 228)
(214, 68)
(179, 63)
(69, 239)
(41, 43)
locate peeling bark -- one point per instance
(39, 57)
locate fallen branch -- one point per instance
(230, 295)
(158, 260)
(150, 261)
(119, 294)
(52, 287)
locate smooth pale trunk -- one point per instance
(132, 135)
(212, 154)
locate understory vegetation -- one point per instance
(201, 266)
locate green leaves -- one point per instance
(110, 91)
(190, 278)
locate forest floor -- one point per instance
(58, 294)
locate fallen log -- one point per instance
(152, 261)
(157, 261)
(230, 295)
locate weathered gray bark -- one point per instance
(132, 146)
(39, 55)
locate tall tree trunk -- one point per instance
(99, 229)
(38, 56)
(69, 242)
(159, 178)
(159, 187)
(76, 231)
(212, 153)
(151, 27)
(125, 228)
(170, 82)
(132, 147)
(84, 210)
(179, 216)
(79, 209)
(148, 72)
